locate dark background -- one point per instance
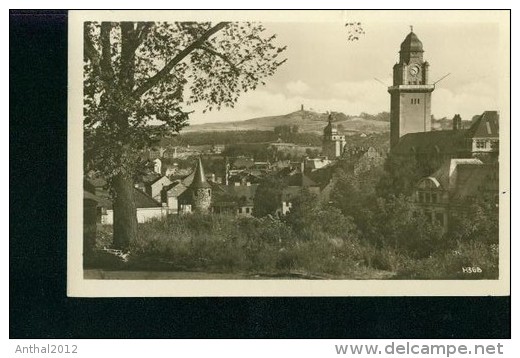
(39, 307)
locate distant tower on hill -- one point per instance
(302, 108)
(410, 94)
(200, 190)
(333, 142)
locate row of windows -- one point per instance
(483, 143)
(436, 217)
(245, 210)
(414, 82)
(427, 197)
(415, 101)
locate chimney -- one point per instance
(457, 122)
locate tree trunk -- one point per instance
(125, 216)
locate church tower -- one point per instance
(333, 142)
(410, 95)
(200, 190)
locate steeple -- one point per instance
(411, 48)
(410, 94)
(199, 179)
(200, 190)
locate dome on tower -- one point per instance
(330, 128)
(412, 43)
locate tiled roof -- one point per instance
(412, 43)
(446, 175)
(243, 163)
(475, 180)
(199, 178)
(448, 141)
(486, 126)
(222, 193)
(143, 200)
(175, 189)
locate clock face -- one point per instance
(414, 70)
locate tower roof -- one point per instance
(199, 179)
(412, 43)
(329, 128)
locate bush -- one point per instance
(450, 263)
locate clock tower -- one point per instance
(410, 94)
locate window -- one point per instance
(247, 210)
(418, 101)
(481, 144)
(494, 144)
(439, 217)
(434, 197)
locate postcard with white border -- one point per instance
(289, 153)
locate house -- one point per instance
(172, 197)
(244, 178)
(444, 192)
(313, 164)
(480, 140)
(155, 187)
(242, 163)
(147, 208)
(238, 200)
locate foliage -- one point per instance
(308, 216)
(400, 176)
(141, 73)
(463, 260)
(144, 73)
(381, 116)
(478, 222)
(268, 196)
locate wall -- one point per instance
(143, 215)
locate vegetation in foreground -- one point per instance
(369, 229)
(317, 242)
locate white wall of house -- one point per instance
(143, 215)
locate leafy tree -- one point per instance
(138, 74)
(396, 223)
(475, 221)
(400, 176)
(268, 196)
(308, 215)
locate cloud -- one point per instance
(297, 87)
(351, 98)
(468, 100)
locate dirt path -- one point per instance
(99, 274)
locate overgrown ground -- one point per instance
(270, 248)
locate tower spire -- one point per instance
(411, 28)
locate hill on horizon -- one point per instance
(307, 122)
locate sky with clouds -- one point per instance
(325, 72)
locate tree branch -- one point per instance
(106, 52)
(90, 52)
(152, 81)
(224, 58)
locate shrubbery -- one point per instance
(360, 234)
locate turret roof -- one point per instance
(199, 179)
(412, 43)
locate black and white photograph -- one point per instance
(289, 153)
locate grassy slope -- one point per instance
(307, 121)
